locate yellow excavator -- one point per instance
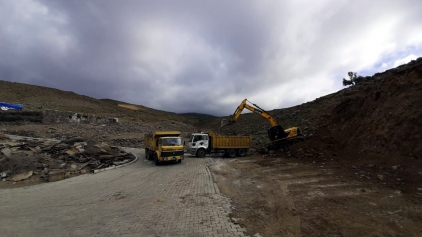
(278, 136)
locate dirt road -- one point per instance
(292, 197)
(140, 199)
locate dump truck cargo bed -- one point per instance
(225, 142)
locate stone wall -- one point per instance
(54, 117)
(19, 117)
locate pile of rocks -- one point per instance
(53, 160)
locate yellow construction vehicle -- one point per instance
(164, 146)
(278, 136)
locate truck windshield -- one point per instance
(195, 138)
(171, 141)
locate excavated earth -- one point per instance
(358, 172)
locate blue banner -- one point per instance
(7, 106)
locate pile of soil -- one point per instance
(377, 122)
(357, 173)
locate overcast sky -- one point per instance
(204, 56)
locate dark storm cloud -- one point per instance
(202, 56)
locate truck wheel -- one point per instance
(157, 163)
(231, 153)
(241, 152)
(201, 153)
(179, 161)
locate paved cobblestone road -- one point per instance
(137, 200)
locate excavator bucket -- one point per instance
(224, 123)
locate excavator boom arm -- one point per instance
(276, 133)
(262, 113)
(255, 109)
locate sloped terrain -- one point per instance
(379, 121)
(357, 173)
(134, 120)
(38, 98)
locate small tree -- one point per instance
(347, 82)
(353, 79)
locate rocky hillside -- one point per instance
(373, 127)
(383, 113)
(52, 113)
(38, 98)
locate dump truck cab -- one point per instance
(198, 141)
(170, 149)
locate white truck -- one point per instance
(201, 144)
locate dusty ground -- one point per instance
(293, 197)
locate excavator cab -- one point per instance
(274, 133)
(277, 132)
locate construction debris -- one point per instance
(21, 176)
(53, 160)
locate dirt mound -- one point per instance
(377, 123)
(385, 115)
(357, 173)
(386, 125)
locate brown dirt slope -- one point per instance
(378, 122)
(357, 173)
(42, 98)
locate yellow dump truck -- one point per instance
(201, 144)
(164, 146)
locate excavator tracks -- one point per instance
(277, 145)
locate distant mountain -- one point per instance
(201, 119)
(112, 101)
(36, 98)
(198, 115)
